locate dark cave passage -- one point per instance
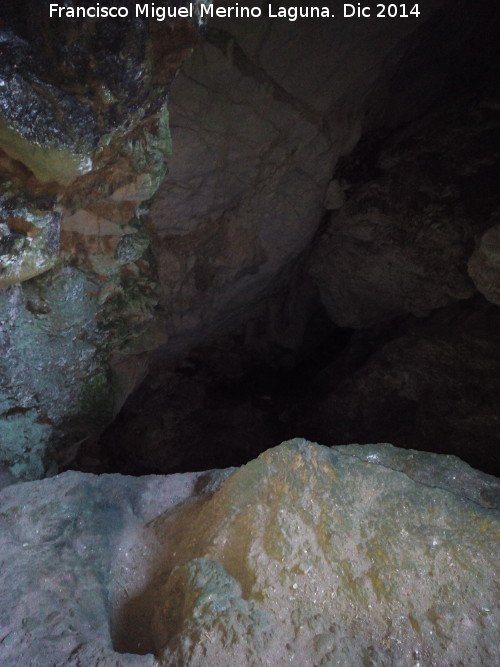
(384, 330)
(410, 382)
(219, 406)
(375, 334)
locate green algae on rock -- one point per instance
(84, 135)
(47, 162)
(57, 331)
(53, 369)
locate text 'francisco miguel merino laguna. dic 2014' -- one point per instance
(202, 11)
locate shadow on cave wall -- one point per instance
(223, 403)
(429, 384)
(415, 364)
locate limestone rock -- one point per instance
(54, 381)
(54, 146)
(484, 265)
(83, 140)
(307, 555)
(257, 129)
(81, 96)
(84, 125)
(432, 385)
(402, 241)
(29, 235)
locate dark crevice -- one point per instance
(225, 403)
(219, 406)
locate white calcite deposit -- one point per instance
(357, 555)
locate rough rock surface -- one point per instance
(484, 265)
(307, 555)
(84, 131)
(432, 384)
(83, 139)
(29, 235)
(402, 241)
(411, 205)
(257, 130)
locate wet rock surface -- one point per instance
(257, 131)
(306, 554)
(402, 241)
(29, 234)
(54, 378)
(83, 142)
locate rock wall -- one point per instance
(404, 239)
(416, 236)
(83, 139)
(400, 262)
(402, 242)
(257, 130)
(432, 385)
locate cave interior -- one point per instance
(284, 365)
(324, 244)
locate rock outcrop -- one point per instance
(432, 385)
(306, 555)
(257, 131)
(83, 140)
(402, 242)
(96, 271)
(405, 230)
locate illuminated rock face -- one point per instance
(29, 236)
(315, 556)
(83, 140)
(257, 130)
(355, 555)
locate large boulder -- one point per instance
(257, 129)
(415, 205)
(431, 385)
(307, 555)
